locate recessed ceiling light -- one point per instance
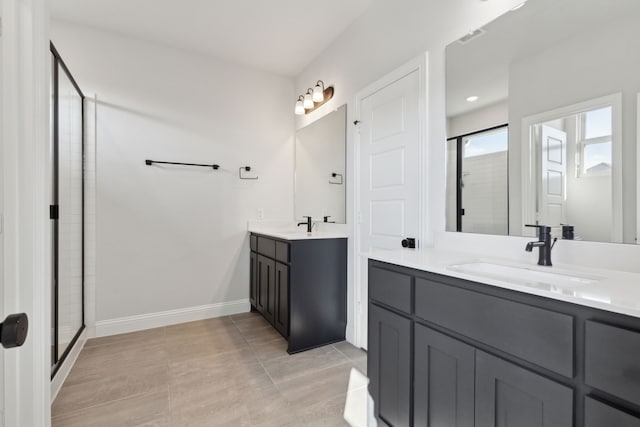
(473, 98)
(519, 6)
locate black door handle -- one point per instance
(409, 242)
(14, 329)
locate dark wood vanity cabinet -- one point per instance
(450, 352)
(300, 287)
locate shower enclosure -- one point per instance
(66, 210)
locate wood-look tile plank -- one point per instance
(316, 386)
(150, 409)
(285, 368)
(110, 388)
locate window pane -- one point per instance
(486, 143)
(597, 123)
(597, 158)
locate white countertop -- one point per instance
(614, 291)
(286, 232)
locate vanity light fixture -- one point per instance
(473, 98)
(314, 98)
(318, 92)
(308, 99)
(300, 105)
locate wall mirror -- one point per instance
(542, 119)
(320, 168)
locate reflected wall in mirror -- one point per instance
(320, 185)
(542, 111)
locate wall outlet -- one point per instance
(260, 214)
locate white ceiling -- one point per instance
(281, 36)
(481, 67)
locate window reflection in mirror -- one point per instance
(477, 198)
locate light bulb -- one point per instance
(308, 101)
(318, 92)
(299, 107)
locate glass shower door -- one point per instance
(67, 211)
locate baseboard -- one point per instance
(171, 317)
(63, 372)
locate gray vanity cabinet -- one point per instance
(510, 396)
(300, 287)
(450, 352)
(253, 281)
(266, 285)
(390, 356)
(281, 298)
(444, 380)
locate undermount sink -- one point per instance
(524, 274)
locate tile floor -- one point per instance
(228, 371)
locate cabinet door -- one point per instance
(269, 289)
(389, 365)
(281, 318)
(598, 414)
(510, 396)
(253, 279)
(260, 285)
(444, 384)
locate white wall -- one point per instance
(170, 238)
(477, 120)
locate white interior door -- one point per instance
(24, 194)
(2, 314)
(552, 209)
(389, 175)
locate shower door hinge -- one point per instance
(54, 212)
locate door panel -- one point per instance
(281, 318)
(389, 365)
(510, 396)
(389, 174)
(269, 289)
(261, 288)
(554, 172)
(253, 278)
(444, 380)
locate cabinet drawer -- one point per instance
(282, 251)
(253, 242)
(391, 288)
(534, 334)
(266, 247)
(598, 414)
(611, 360)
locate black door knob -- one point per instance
(13, 331)
(409, 243)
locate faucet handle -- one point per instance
(542, 229)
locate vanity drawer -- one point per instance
(390, 288)
(266, 247)
(282, 251)
(531, 333)
(598, 414)
(612, 360)
(253, 242)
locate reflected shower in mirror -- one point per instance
(541, 122)
(320, 186)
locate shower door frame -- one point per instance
(57, 65)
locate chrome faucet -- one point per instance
(308, 223)
(543, 243)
